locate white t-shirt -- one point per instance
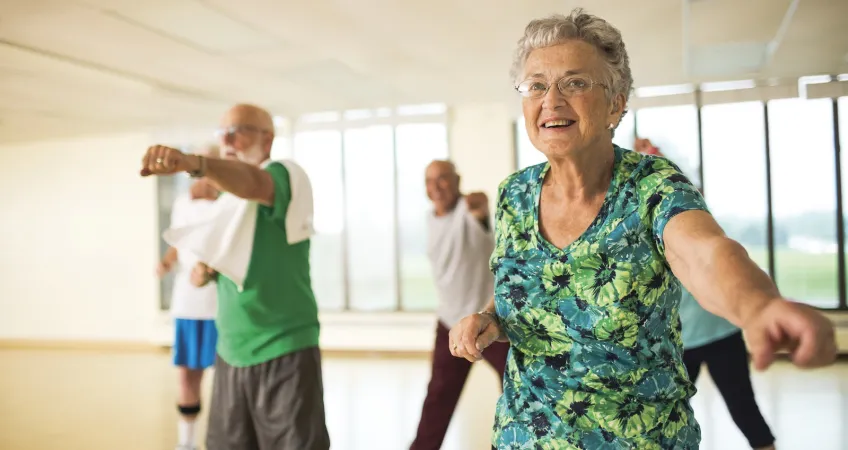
(187, 300)
(459, 247)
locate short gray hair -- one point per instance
(580, 25)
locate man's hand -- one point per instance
(478, 205)
(645, 147)
(161, 160)
(163, 268)
(201, 274)
(805, 333)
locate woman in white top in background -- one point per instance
(193, 306)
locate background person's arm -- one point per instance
(167, 262)
(240, 179)
(478, 207)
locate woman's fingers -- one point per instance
(467, 341)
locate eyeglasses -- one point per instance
(568, 86)
(230, 132)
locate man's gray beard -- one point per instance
(245, 156)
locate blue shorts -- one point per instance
(194, 343)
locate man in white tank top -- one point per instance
(192, 307)
(460, 243)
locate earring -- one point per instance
(611, 126)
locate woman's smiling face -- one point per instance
(560, 123)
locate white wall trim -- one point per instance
(351, 331)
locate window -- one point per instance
(736, 187)
(320, 155)
(417, 145)
(804, 200)
(674, 130)
(169, 188)
(281, 148)
(626, 132)
(367, 171)
(526, 154)
(370, 213)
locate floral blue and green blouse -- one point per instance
(596, 348)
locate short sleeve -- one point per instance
(667, 193)
(276, 212)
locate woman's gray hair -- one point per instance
(580, 25)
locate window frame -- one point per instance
(347, 123)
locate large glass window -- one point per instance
(416, 146)
(625, 133)
(736, 188)
(804, 199)
(320, 155)
(370, 198)
(526, 154)
(282, 148)
(168, 189)
(367, 171)
(674, 130)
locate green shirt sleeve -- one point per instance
(669, 193)
(276, 212)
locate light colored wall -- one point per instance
(77, 240)
(482, 145)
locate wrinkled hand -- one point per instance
(201, 274)
(162, 269)
(806, 333)
(472, 335)
(161, 160)
(478, 205)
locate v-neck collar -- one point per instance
(599, 218)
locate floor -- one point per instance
(125, 401)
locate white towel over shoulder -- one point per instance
(301, 209)
(224, 239)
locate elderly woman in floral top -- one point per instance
(592, 248)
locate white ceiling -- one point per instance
(72, 67)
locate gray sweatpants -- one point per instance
(276, 405)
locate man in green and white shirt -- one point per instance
(268, 391)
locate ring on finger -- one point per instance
(159, 160)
